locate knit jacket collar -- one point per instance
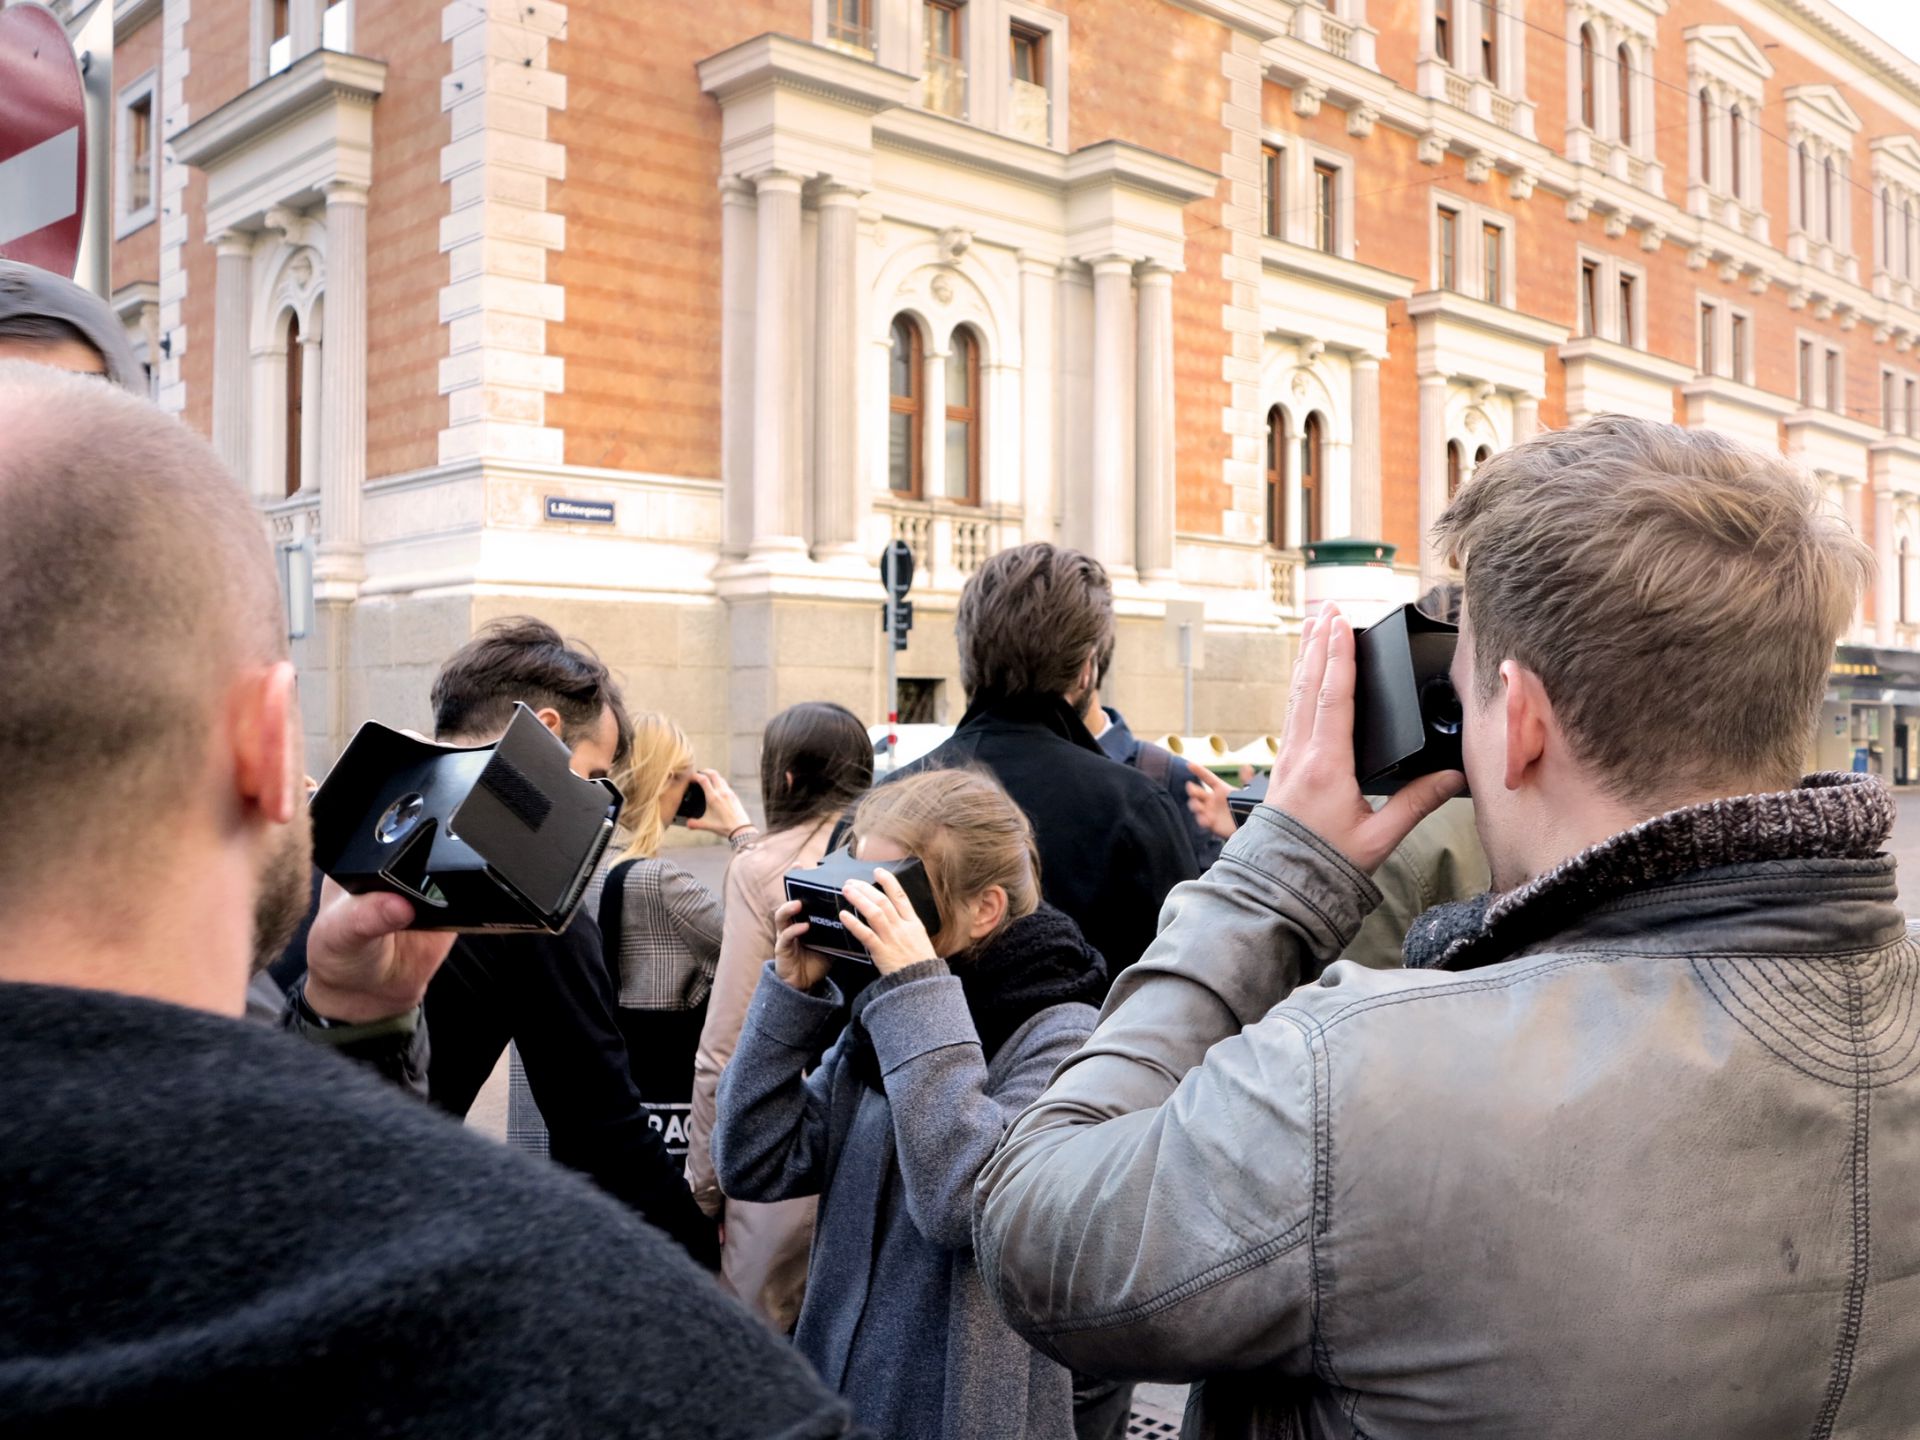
(1829, 816)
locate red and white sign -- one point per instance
(43, 141)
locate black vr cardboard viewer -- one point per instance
(500, 837)
(1406, 716)
(817, 888)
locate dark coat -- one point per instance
(208, 1227)
(1112, 844)
(1120, 743)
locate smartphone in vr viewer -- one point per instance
(1406, 713)
(693, 804)
(493, 838)
(818, 888)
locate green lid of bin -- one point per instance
(1349, 552)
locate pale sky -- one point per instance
(1895, 21)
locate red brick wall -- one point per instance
(405, 339)
(217, 38)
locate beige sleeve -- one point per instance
(746, 942)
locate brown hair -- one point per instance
(825, 749)
(521, 659)
(1678, 594)
(1029, 619)
(968, 833)
(136, 586)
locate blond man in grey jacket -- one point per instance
(1632, 1149)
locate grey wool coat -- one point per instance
(896, 1317)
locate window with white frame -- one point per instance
(1910, 405)
(944, 56)
(336, 28)
(1896, 201)
(1308, 191)
(1821, 127)
(1889, 399)
(1610, 84)
(1709, 356)
(849, 26)
(1740, 345)
(1471, 50)
(1803, 373)
(1612, 297)
(136, 156)
(1726, 89)
(1726, 342)
(1836, 385)
(1472, 250)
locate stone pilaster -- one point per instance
(1110, 528)
(343, 384)
(1886, 594)
(1433, 470)
(737, 264)
(175, 59)
(1368, 508)
(1526, 417)
(498, 303)
(837, 488)
(1245, 417)
(313, 389)
(778, 348)
(233, 276)
(303, 26)
(1038, 280)
(1154, 426)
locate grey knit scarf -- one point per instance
(1829, 816)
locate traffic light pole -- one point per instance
(893, 690)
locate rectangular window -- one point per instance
(1886, 399)
(1326, 207)
(1913, 407)
(1709, 324)
(1027, 71)
(1737, 344)
(1806, 373)
(1449, 242)
(1629, 320)
(946, 82)
(1589, 297)
(1836, 392)
(140, 153)
(1443, 30)
(1489, 41)
(1493, 268)
(1273, 191)
(850, 22)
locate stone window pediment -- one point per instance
(1726, 53)
(1821, 111)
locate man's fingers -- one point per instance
(1412, 804)
(1333, 701)
(859, 929)
(362, 919)
(1210, 781)
(864, 898)
(1299, 724)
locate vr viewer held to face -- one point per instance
(888, 1114)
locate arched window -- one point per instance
(1456, 464)
(1588, 106)
(1706, 137)
(963, 418)
(1833, 200)
(296, 401)
(904, 416)
(1482, 455)
(1277, 442)
(1312, 478)
(1806, 188)
(1624, 57)
(1736, 138)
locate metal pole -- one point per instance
(1186, 664)
(893, 691)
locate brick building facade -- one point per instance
(1186, 284)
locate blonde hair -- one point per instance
(660, 751)
(1678, 594)
(970, 836)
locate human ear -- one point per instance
(1529, 717)
(989, 909)
(550, 717)
(267, 754)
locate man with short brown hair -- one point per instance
(207, 1225)
(1632, 1150)
(1032, 625)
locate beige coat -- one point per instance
(764, 1260)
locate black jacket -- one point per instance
(1111, 842)
(554, 996)
(207, 1226)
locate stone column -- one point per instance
(1154, 426)
(313, 389)
(778, 425)
(1368, 507)
(1856, 513)
(1526, 417)
(736, 362)
(343, 393)
(836, 376)
(933, 420)
(1886, 593)
(1038, 495)
(233, 277)
(303, 26)
(1433, 470)
(1113, 379)
(267, 421)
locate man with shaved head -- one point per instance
(204, 1220)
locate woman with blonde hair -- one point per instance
(660, 929)
(815, 761)
(888, 1109)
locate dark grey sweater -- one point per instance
(207, 1224)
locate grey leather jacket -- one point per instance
(1645, 1162)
